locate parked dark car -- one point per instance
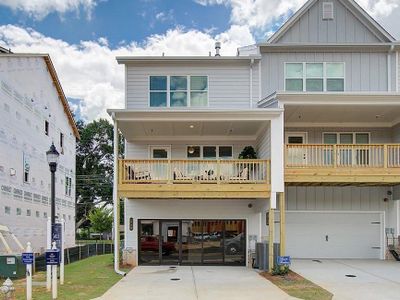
(152, 243)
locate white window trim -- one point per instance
(201, 151)
(324, 75)
(296, 134)
(347, 132)
(168, 91)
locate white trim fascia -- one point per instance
(349, 124)
(259, 79)
(192, 115)
(133, 59)
(238, 138)
(397, 71)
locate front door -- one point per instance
(159, 168)
(296, 156)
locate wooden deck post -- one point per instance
(282, 210)
(271, 222)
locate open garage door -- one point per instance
(334, 234)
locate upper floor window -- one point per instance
(68, 185)
(346, 137)
(178, 91)
(210, 152)
(314, 77)
(62, 142)
(46, 127)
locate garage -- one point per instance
(335, 234)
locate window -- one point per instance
(178, 88)
(68, 185)
(314, 77)
(294, 77)
(158, 91)
(335, 77)
(210, 152)
(346, 138)
(178, 91)
(45, 215)
(26, 168)
(28, 212)
(46, 127)
(37, 214)
(19, 211)
(7, 210)
(62, 142)
(198, 91)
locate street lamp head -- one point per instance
(52, 156)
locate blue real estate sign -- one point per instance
(56, 234)
(283, 260)
(52, 257)
(27, 258)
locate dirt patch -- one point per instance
(297, 286)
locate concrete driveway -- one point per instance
(202, 282)
(375, 279)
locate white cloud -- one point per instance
(38, 9)
(89, 71)
(259, 15)
(164, 16)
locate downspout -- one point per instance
(389, 67)
(116, 200)
(251, 83)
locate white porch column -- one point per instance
(116, 200)
(277, 157)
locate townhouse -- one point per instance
(34, 113)
(319, 103)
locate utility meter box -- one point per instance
(11, 266)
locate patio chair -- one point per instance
(179, 176)
(243, 175)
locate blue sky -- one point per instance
(123, 20)
(83, 37)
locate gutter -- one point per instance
(116, 200)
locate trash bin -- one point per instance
(262, 255)
(11, 266)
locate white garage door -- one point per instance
(334, 234)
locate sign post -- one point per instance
(53, 259)
(62, 251)
(27, 259)
(48, 244)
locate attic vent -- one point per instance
(327, 11)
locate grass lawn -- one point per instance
(299, 287)
(85, 279)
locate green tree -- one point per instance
(101, 219)
(94, 168)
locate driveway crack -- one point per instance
(194, 283)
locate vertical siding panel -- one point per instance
(291, 197)
(321, 196)
(355, 198)
(337, 198)
(301, 198)
(364, 71)
(346, 193)
(328, 198)
(310, 198)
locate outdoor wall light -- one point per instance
(12, 172)
(191, 150)
(191, 126)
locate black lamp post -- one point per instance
(52, 159)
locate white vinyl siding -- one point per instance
(228, 83)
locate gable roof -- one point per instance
(56, 82)
(352, 6)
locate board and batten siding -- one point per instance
(141, 150)
(228, 83)
(263, 144)
(340, 198)
(377, 135)
(344, 28)
(363, 71)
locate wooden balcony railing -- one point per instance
(377, 164)
(348, 156)
(193, 171)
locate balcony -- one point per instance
(161, 178)
(321, 164)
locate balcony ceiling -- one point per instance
(342, 115)
(216, 124)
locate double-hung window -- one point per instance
(178, 91)
(314, 77)
(158, 91)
